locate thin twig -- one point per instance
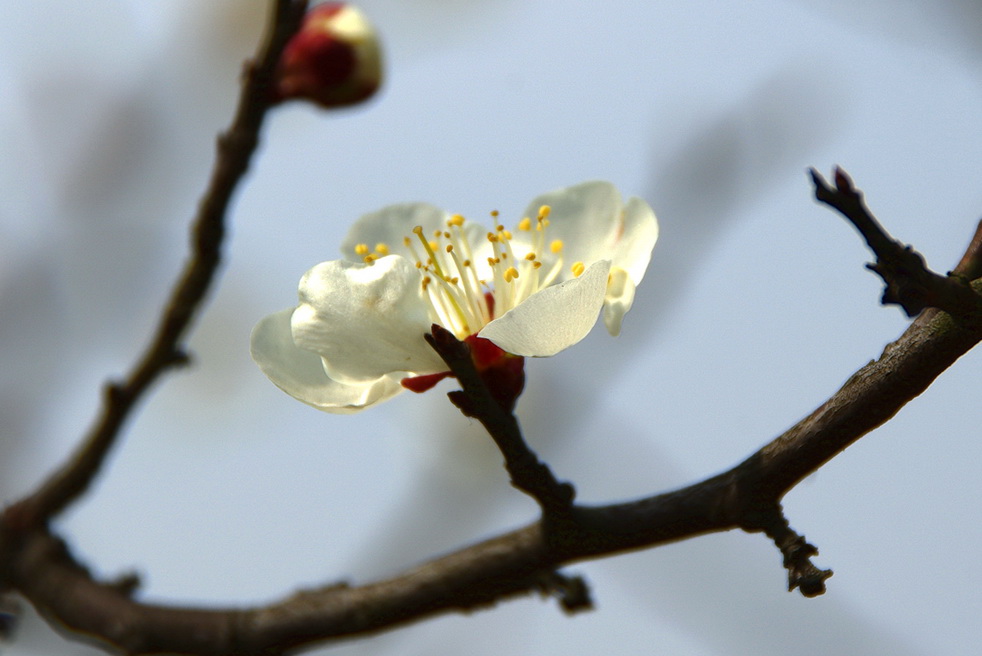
(528, 473)
(909, 283)
(165, 351)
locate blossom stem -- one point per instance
(528, 473)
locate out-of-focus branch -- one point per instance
(746, 497)
(165, 351)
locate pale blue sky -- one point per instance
(756, 308)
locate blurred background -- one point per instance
(755, 309)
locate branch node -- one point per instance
(572, 592)
(126, 584)
(115, 392)
(178, 358)
(797, 552)
(802, 573)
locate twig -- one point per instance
(909, 283)
(527, 472)
(802, 573)
(165, 351)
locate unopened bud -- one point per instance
(334, 60)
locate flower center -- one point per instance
(463, 293)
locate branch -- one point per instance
(476, 400)
(909, 283)
(165, 351)
(746, 497)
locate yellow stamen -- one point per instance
(525, 224)
(544, 212)
(381, 249)
(455, 220)
(361, 249)
(510, 274)
(556, 246)
(577, 269)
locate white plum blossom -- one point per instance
(356, 337)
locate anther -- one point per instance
(510, 274)
(556, 246)
(577, 269)
(361, 249)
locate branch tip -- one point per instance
(909, 283)
(843, 182)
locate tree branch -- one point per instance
(40, 566)
(528, 473)
(165, 351)
(745, 497)
(909, 283)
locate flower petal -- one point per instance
(618, 300)
(365, 321)
(637, 239)
(389, 226)
(585, 217)
(300, 373)
(554, 318)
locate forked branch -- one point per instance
(41, 567)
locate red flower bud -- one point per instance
(334, 59)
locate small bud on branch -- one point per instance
(333, 61)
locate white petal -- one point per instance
(585, 217)
(554, 318)
(300, 373)
(618, 300)
(365, 321)
(389, 226)
(632, 252)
